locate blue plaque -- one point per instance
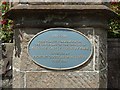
(60, 48)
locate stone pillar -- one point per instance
(91, 20)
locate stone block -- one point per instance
(18, 79)
(31, 19)
(26, 64)
(62, 79)
(101, 49)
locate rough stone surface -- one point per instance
(26, 64)
(23, 63)
(7, 57)
(62, 80)
(75, 7)
(101, 41)
(103, 78)
(113, 63)
(62, 1)
(6, 65)
(92, 74)
(18, 79)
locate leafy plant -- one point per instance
(115, 23)
(6, 33)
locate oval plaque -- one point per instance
(60, 48)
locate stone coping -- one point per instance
(100, 9)
(76, 7)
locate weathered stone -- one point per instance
(26, 64)
(91, 20)
(103, 78)
(75, 7)
(18, 79)
(101, 49)
(8, 57)
(62, 80)
(113, 63)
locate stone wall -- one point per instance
(113, 66)
(26, 74)
(6, 65)
(114, 63)
(91, 20)
(30, 75)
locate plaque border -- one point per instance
(68, 29)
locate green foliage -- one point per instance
(114, 24)
(6, 36)
(6, 33)
(114, 29)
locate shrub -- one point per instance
(115, 23)
(6, 33)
